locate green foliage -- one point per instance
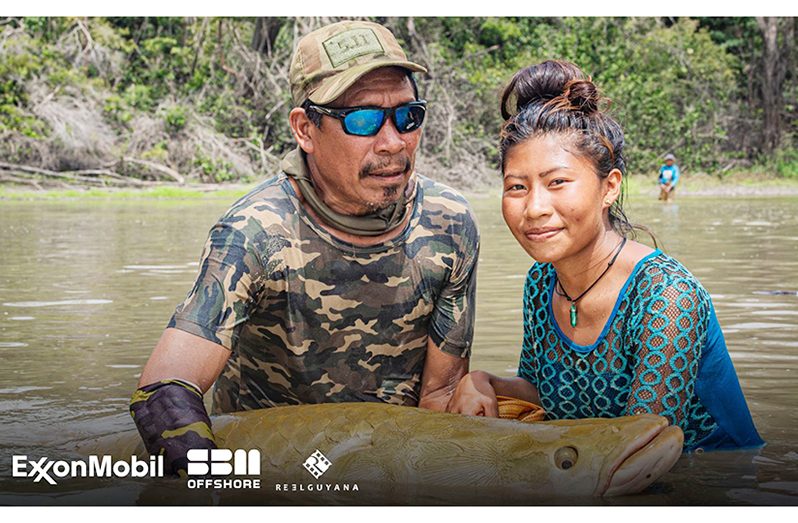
(116, 109)
(158, 153)
(175, 119)
(785, 163)
(139, 96)
(17, 67)
(679, 85)
(214, 171)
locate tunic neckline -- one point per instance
(584, 349)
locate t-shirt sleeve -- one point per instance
(452, 322)
(225, 289)
(666, 358)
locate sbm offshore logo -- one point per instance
(223, 462)
(46, 469)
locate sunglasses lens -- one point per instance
(409, 118)
(364, 122)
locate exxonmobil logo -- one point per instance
(50, 470)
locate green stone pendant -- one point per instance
(573, 314)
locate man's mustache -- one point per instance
(400, 163)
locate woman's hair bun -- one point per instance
(583, 95)
(547, 81)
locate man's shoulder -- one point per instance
(433, 188)
(441, 194)
(266, 204)
(446, 212)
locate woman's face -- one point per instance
(553, 201)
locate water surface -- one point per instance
(86, 288)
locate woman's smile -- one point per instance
(541, 234)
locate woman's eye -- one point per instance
(515, 187)
(557, 181)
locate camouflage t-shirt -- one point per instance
(309, 318)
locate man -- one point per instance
(346, 277)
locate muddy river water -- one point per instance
(86, 288)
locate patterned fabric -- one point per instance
(171, 419)
(312, 319)
(650, 357)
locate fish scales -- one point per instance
(399, 454)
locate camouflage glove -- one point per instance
(171, 419)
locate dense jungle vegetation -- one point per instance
(132, 101)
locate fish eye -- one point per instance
(565, 457)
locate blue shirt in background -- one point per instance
(669, 174)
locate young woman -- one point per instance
(611, 326)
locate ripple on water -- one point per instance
(20, 390)
(54, 303)
(755, 304)
(12, 344)
(154, 267)
(754, 325)
(786, 486)
(762, 356)
(774, 313)
(21, 318)
(758, 497)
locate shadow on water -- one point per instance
(86, 289)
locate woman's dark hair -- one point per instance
(557, 97)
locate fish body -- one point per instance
(400, 454)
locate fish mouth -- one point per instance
(641, 465)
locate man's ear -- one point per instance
(613, 187)
(302, 129)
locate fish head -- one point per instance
(611, 456)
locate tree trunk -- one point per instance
(265, 34)
(774, 70)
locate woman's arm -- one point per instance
(476, 393)
(665, 366)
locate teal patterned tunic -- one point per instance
(661, 351)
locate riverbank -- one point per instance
(694, 185)
(738, 184)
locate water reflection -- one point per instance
(86, 289)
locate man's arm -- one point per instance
(179, 354)
(167, 408)
(441, 374)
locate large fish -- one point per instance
(408, 455)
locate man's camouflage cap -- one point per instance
(329, 60)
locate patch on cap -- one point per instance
(351, 44)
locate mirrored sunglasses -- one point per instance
(367, 121)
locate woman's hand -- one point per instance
(474, 396)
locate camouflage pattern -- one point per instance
(312, 319)
(329, 60)
(171, 419)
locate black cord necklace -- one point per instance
(574, 316)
